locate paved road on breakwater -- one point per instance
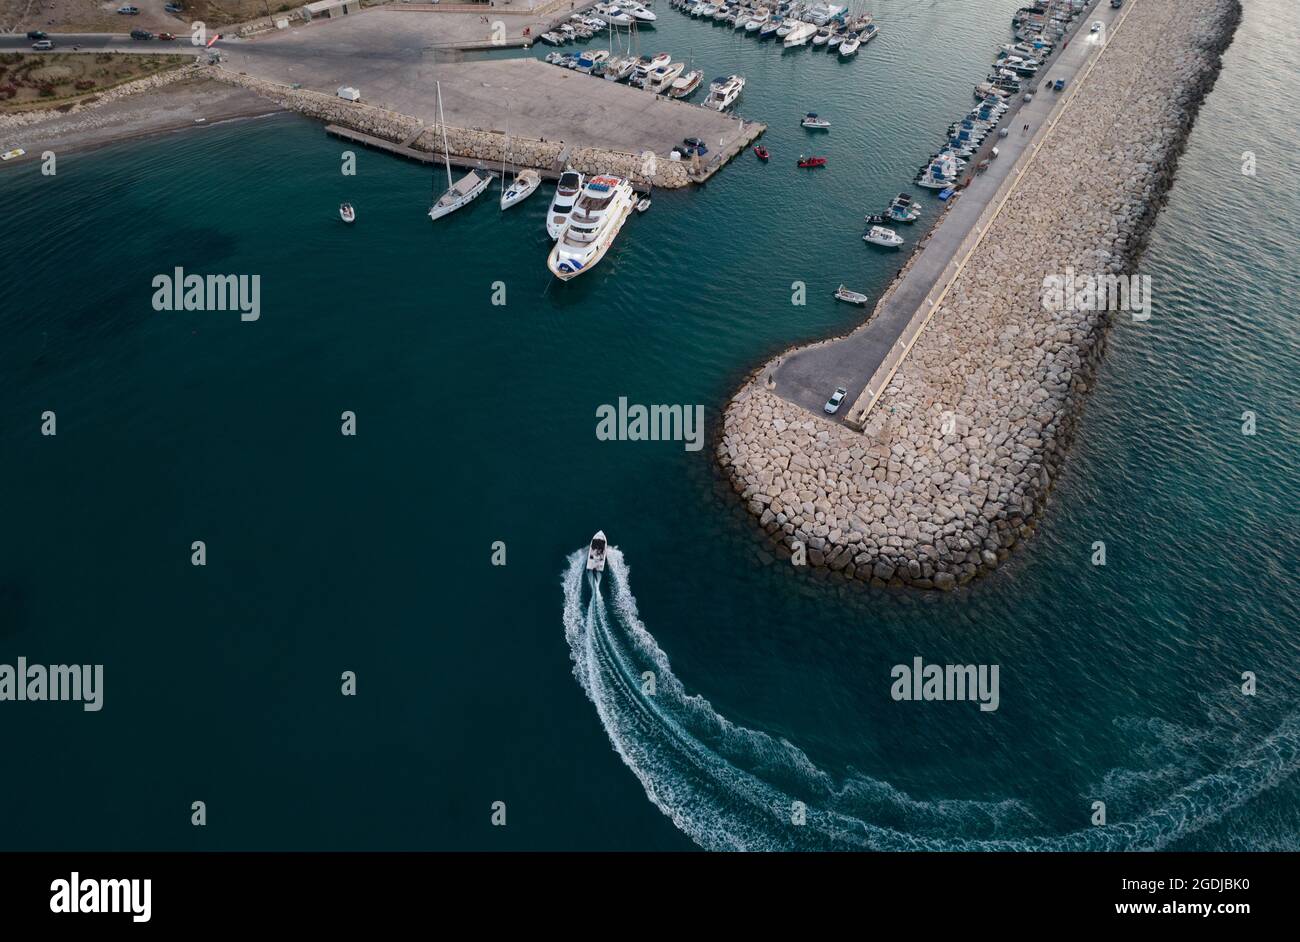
(808, 376)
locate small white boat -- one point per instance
(524, 185)
(852, 297)
(347, 213)
(684, 85)
(11, 154)
(887, 238)
(554, 39)
(640, 13)
(799, 35)
(661, 79)
(596, 553)
(850, 45)
(810, 120)
(822, 36)
(643, 204)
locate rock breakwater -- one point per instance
(957, 459)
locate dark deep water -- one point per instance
(476, 424)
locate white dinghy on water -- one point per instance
(465, 190)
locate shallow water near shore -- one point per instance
(476, 424)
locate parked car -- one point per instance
(43, 45)
(833, 403)
(1096, 26)
(141, 34)
(174, 7)
(129, 11)
(167, 36)
(1058, 85)
(37, 34)
(1116, 4)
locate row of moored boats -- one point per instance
(825, 25)
(601, 17)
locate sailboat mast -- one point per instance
(445, 152)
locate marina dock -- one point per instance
(864, 361)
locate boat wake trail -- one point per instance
(732, 788)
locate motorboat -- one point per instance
(819, 14)
(620, 67)
(886, 238)
(524, 185)
(812, 122)
(618, 16)
(800, 35)
(708, 10)
(685, 85)
(593, 225)
(660, 81)
(465, 190)
(347, 213)
(787, 26)
(810, 162)
(643, 204)
(868, 33)
(837, 37)
(852, 297)
(822, 36)
(567, 190)
(552, 38)
(641, 14)
(761, 152)
(770, 27)
(590, 59)
(755, 23)
(850, 45)
(723, 92)
(904, 209)
(596, 553)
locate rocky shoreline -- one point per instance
(956, 462)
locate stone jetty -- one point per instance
(472, 144)
(954, 464)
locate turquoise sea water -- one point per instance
(476, 424)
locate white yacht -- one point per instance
(596, 553)
(850, 45)
(756, 22)
(661, 79)
(811, 121)
(465, 190)
(618, 16)
(594, 223)
(819, 13)
(879, 235)
(723, 92)
(619, 67)
(640, 13)
(641, 73)
(801, 33)
(567, 191)
(524, 185)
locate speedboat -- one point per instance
(770, 27)
(820, 13)
(619, 68)
(756, 22)
(852, 297)
(347, 213)
(683, 86)
(723, 92)
(596, 553)
(811, 121)
(799, 35)
(708, 10)
(810, 162)
(643, 205)
(524, 185)
(761, 152)
(554, 39)
(593, 225)
(566, 194)
(618, 16)
(869, 32)
(822, 36)
(787, 26)
(837, 37)
(850, 45)
(887, 238)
